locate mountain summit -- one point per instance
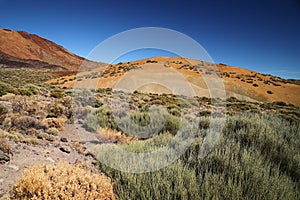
(30, 50)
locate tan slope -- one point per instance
(238, 82)
(27, 46)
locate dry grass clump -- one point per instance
(79, 147)
(53, 131)
(5, 146)
(24, 123)
(113, 136)
(57, 123)
(62, 181)
(18, 137)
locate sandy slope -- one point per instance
(161, 74)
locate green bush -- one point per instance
(256, 158)
(57, 94)
(101, 117)
(132, 123)
(6, 88)
(55, 110)
(29, 89)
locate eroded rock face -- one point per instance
(4, 157)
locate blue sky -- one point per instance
(262, 35)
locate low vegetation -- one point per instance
(257, 158)
(17, 77)
(62, 181)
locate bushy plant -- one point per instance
(52, 131)
(24, 123)
(3, 112)
(57, 123)
(100, 118)
(256, 158)
(5, 88)
(29, 89)
(55, 110)
(5, 146)
(57, 94)
(62, 181)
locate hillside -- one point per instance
(21, 49)
(239, 83)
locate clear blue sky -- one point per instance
(261, 35)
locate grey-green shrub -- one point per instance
(5, 88)
(29, 89)
(256, 158)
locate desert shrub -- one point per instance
(266, 82)
(112, 136)
(204, 113)
(100, 118)
(279, 103)
(62, 181)
(52, 131)
(5, 146)
(172, 124)
(151, 61)
(55, 110)
(256, 158)
(29, 89)
(57, 123)
(82, 112)
(175, 111)
(255, 85)
(5, 88)
(232, 99)
(24, 123)
(45, 136)
(131, 123)
(3, 112)
(204, 123)
(85, 97)
(57, 94)
(269, 92)
(24, 105)
(140, 118)
(18, 137)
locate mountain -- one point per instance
(21, 49)
(238, 82)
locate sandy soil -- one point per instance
(25, 155)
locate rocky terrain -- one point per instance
(56, 123)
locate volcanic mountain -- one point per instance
(21, 49)
(169, 74)
(151, 75)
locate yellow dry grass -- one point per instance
(57, 123)
(62, 181)
(112, 136)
